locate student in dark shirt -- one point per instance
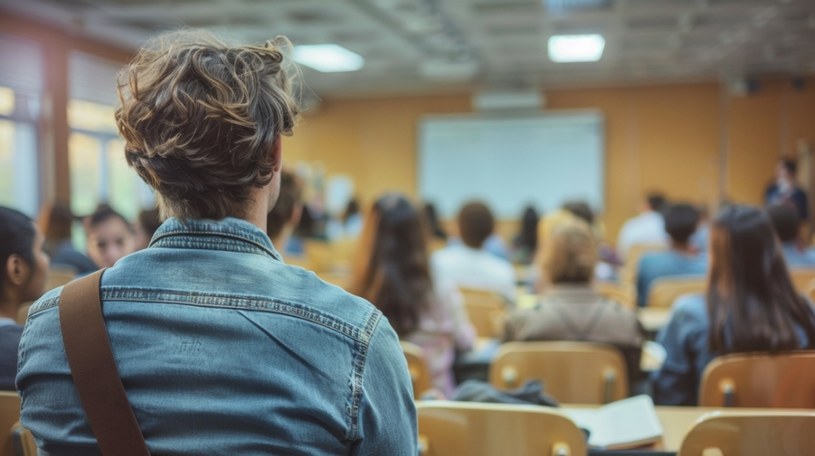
(24, 269)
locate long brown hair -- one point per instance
(392, 270)
(752, 303)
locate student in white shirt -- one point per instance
(648, 228)
(468, 265)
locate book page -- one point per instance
(625, 423)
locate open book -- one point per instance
(627, 423)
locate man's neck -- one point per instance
(258, 209)
(684, 248)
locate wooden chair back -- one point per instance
(760, 380)
(663, 292)
(802, 278)
(477, 429)
(623, 293)
(9, 414)
(628, 273)
(753, 434)
(418, 368)
(59, 276)
(486, 310)
(574, 372)
(23, 441)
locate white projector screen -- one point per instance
(542, 159)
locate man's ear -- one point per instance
(277, 154)
(16, 270)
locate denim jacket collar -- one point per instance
(229, 234)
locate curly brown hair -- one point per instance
(200, 119)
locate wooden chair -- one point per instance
(628, 273)
(23, 441)
(802, 278)
(623, 293)
(9, 414)
(486, 310)
(753, 434)
(760, 380)
(417, 367)
(476, 429)
(663, 292)
(575, 372)
(59, 276)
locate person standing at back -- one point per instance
(785, 189)
(221, 346)
(469, 265)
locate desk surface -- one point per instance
(678, 421)
(653, 318)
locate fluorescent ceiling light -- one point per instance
(576, 48)
(328, 58)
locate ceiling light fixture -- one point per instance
(328, 58)
(576, 48)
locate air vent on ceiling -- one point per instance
(659, 22)
(564, 6)
(508, 100)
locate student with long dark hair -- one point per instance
(751, 306)
(23, 267)
(393, 273)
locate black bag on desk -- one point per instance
(530, 393)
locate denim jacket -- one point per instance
(224, 349)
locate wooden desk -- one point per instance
(653, 318)
(678, 421)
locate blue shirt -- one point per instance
(798, 258)
(670, 263)
(10, 333)
(224, 349)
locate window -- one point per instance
(99, 171)
(20, 92)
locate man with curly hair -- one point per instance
(221, 347)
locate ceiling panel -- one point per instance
(440, 45)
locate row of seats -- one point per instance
(455, 428)
(587, 373)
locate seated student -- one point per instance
(750, 305)
(56, 223)
(468, 264)
(648, 228)
(682, 259)
(24, 267)
(285, 215)
(786, 223)
(144, 227)
(570, 309)
(525, 242)
(394, 274)
(110, 236)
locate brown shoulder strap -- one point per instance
(94, 370)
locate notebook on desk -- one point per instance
(627, 423)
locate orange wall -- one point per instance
(683, 139)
